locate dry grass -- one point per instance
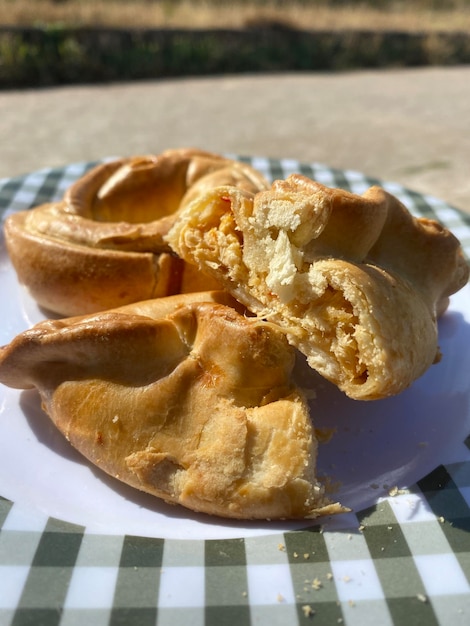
(67, 54)
(409, 16)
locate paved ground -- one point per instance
(409, 126)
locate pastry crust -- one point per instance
(103, 244)
(356, 282)
(181, 397)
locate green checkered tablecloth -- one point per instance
(404, 560)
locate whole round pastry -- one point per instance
(182, 397)
(103, 244)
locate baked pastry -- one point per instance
(356, 282)
(181, 397)
(102, 245)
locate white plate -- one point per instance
(377, 445)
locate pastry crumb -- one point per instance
(395, 491)
(317, 584)
(422, 598)
(324, 435)
(308, 610)
(280, 598)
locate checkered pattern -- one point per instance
(404, 561)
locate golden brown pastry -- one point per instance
(355, 281)
(181, 397)
(102, 245)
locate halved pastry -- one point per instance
(102, 245)
(181, 397)
(356, 282)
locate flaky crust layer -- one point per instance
(356, 282)
(183, 398)
(103, 244)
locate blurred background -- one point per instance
(410, 15)
(380, 87)
(46, 42)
